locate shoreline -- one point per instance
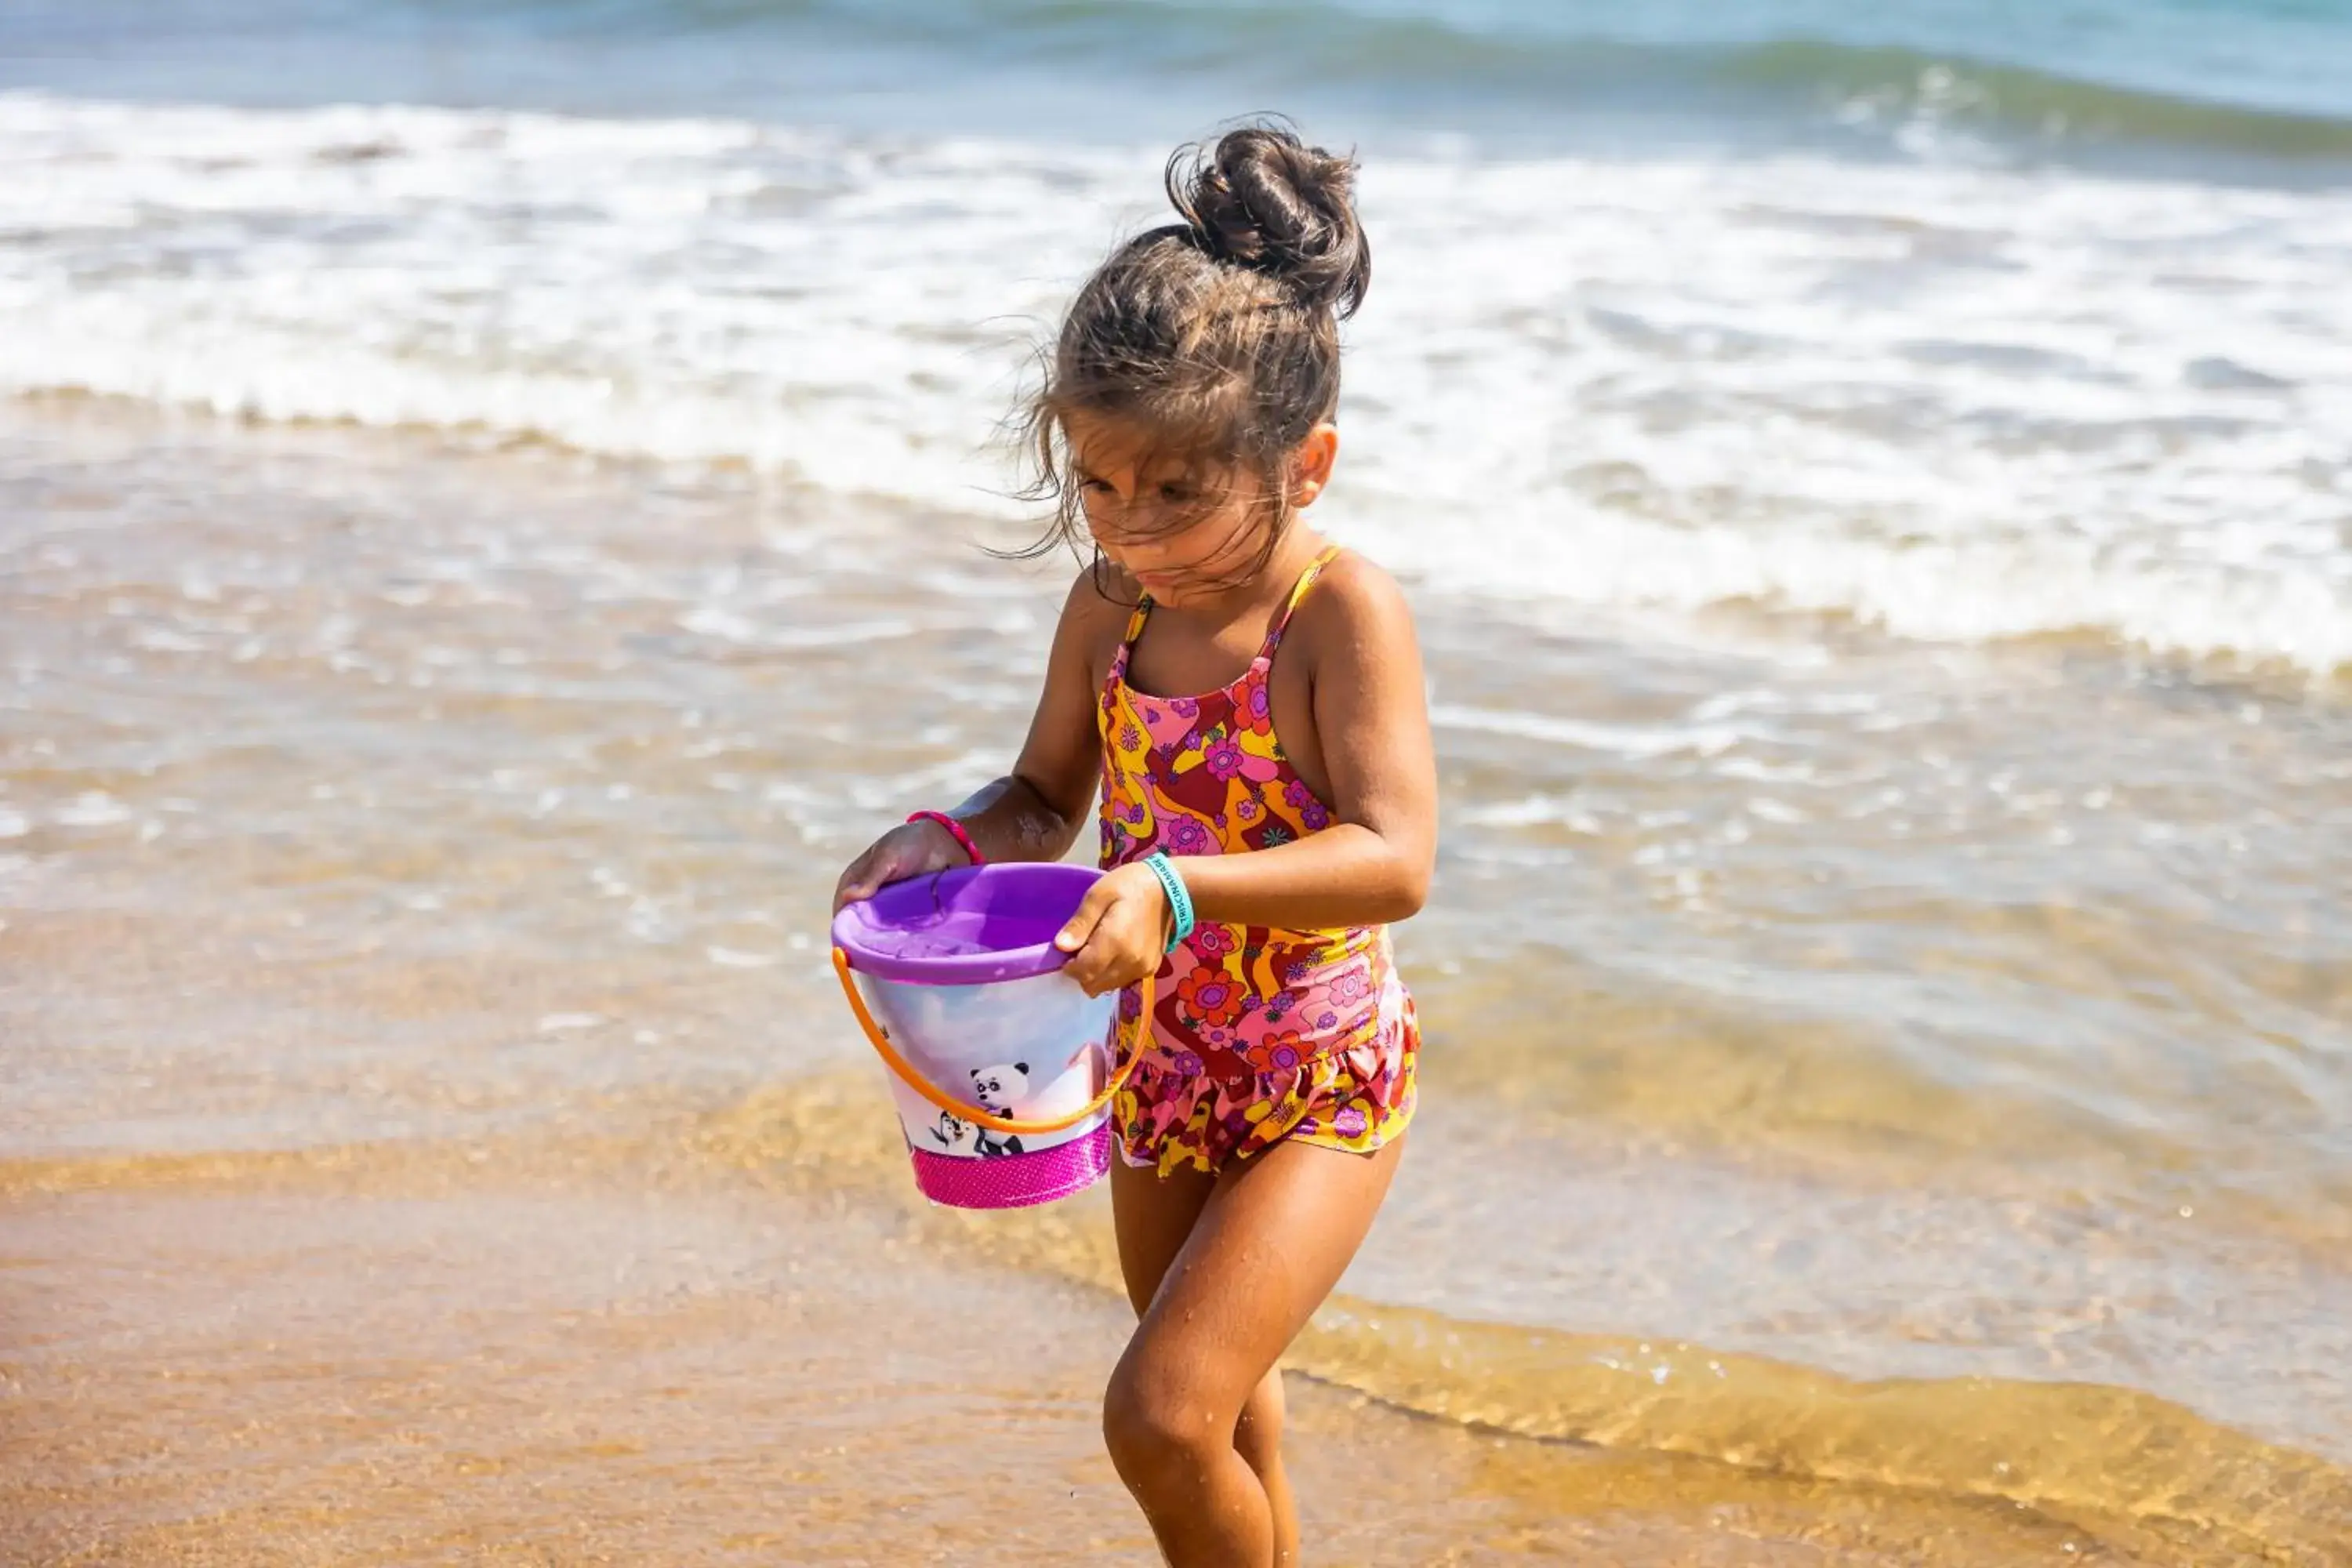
(478, 904)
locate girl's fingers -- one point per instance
(893, 858)
(855, 883)
(1074, 936)
(868, 875)
(1116, 950)
(1098, 966)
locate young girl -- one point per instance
(1249, 697)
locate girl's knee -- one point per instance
(1159, 1430)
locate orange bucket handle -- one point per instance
(880, 1041)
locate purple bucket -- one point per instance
(958, 975)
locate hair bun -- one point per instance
(1262, 198)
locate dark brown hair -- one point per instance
(1218, 337)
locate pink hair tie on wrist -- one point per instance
(955, 831)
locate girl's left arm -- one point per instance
(1372, 865)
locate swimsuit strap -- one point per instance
(1127, 642)
(1290, 607)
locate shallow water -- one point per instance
(1781, 1005)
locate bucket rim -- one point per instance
(916, 896)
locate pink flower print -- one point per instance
(1348, 1123)
(1225, 758)
(1246, 811)
(1258, 711)
(1349, 986)
(1184, 707)
(1211, 940)
(1296, 792)
(1130, 738)
(1187, 836)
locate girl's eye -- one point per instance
(1177, 494)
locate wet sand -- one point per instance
(548, 1354)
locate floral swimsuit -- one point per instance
(1257, 1034)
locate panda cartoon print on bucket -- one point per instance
(999, 1063)
(997, 1089)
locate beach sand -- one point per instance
(602, 1353)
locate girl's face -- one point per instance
(1182, 529)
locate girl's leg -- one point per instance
(1257, 1437)
(1152, 1216)
(1272, 1238)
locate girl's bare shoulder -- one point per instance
(1355, 609)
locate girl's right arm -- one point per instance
(1035, 812)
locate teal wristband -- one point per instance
(1180, 898)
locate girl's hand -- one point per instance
(911, 850)
(1119, 933)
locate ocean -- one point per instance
(495, 505)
